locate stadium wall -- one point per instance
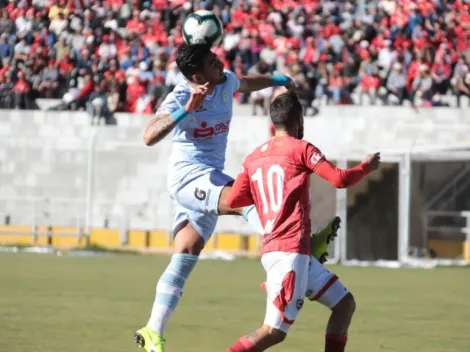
(66, 183)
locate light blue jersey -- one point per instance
(200, 139)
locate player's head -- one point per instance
(199, 64)
(287, 114)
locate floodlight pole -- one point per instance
(342, 212)
(404, 194)
(89, 189)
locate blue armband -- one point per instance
(280, 80)
(179, 114)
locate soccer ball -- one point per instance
(202, 27)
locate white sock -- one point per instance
(251, 216)
(169, 290)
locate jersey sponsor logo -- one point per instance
(200, 194)
(207, 132)
(316, 157)
(299, 304)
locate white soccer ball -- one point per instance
(203, 27)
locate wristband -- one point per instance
(179, 114)
(280, 80)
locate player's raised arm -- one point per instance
(162, 124)
(256, 82)
(340, 178)
(240, 194)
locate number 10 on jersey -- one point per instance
(274, 178)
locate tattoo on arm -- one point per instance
(158, 128)
(252, 336)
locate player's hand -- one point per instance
(373, 160)
(197, 98)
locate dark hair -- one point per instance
(190, 58)
(285, 109)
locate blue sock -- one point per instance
(169, 290)
(250, 214)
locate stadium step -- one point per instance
(374, 187)
(378, 208)
(362, 187)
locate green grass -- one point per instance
(98, 248)
(85, 304)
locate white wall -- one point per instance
(34, 143)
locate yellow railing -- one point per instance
(447, 245)
(69, 237)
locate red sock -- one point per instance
(335, 343)
(242, 345)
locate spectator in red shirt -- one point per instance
(22, 89)
(135, 25)
(336, 86)
(135, 89)
(370, 85)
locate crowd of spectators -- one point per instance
(116, 55)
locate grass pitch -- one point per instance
(78, 304)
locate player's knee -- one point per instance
(190, 247)
(188, 240)
(346, 306)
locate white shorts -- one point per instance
(286, 284)
(198, 202)
(323, 286)
(319, 285)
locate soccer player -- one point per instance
(198, 113)
(275, 177)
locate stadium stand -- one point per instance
(116, 55)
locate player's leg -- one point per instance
(195, 221)
(285, 286)
(249, 213)
(324, 287)
(192, 230)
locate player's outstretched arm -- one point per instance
(162, 124)
(342, 178)
(316, 162)
(256, 82)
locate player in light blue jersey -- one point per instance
(198, 113)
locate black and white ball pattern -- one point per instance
(203, 27)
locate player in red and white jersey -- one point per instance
(275, 177)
